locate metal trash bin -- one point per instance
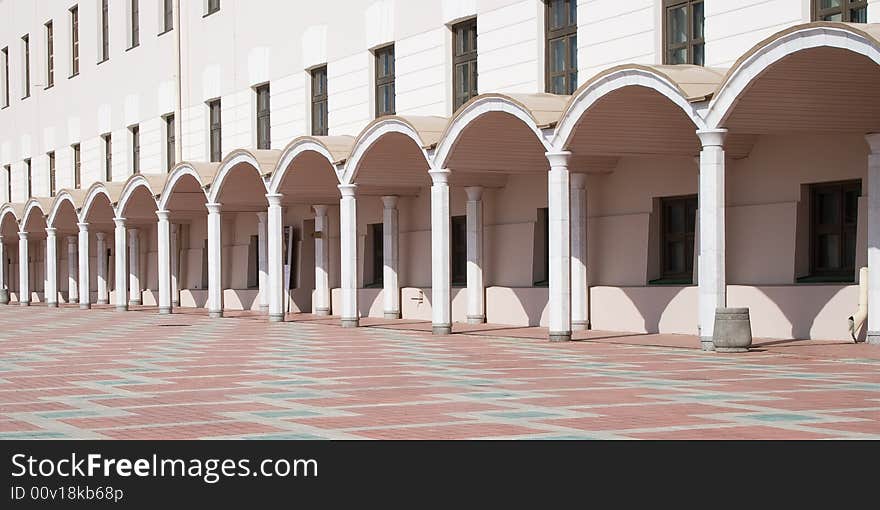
(733, 330)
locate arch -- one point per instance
(30, 207)
(128, 190)
(60, 198)
(8, 211)
(298, 147)
(95, 191)
(681, 91)
(179, 172)
(424, 138)
(748, 68)
(484, 104)
(232, 160)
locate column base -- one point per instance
(135, 302)
(276, 317)
(164, 310)
(873, 337)
(175, 304)
(215, 314)
(731, 349)
(4, 297)
(560, 336)
(102, 302)
(392, 315)
(441, 329)
(121, 308)
(264, 308)
(24, 303)
(52, 305)
(476, 319)
(85, 306)
(350, 323)
(707, 344)
(322, 312)
(73, 301)
(580, 325)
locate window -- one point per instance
(26, 57)
(50, 55)
(683, 32)
(135, 149)
(319, 102)
(8, 170)
(264, 140)
(377, 267)
(561, 46)
(4, 54)
(253, 272)
(834, 211)
(29, 175)
(678, 216)
(385, 81)
(168, 16)
(105, 31)
(51, 156)
(216, 140)
(541, 259)
(135, 24)
(108, 157)
(458, 247)
(213, 6)
(74, 41)
(464, 62)
(77, 177)
(205, 264)
(852, 11)
(169, 142)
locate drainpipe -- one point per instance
(857, 319)
(178, 107)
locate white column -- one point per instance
(873, 326)
(121, 289)
(441, 292)
(101, 263)
(390, 255)
(580, 287)
(215, 288)
(711, 271)
(72, 271)
(476, 313)
(321, 305)
(134, 267)
(24, 289)
(175, 265)
(164, 262)
(85, 291)
(4, 291)
(559, 225)
(51, 288)
(274, 235)
(262, 262)
(348, 250)
(873, 12)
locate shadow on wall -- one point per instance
(659, 309)
(193, 298)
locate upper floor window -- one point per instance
(74, 41)
(264, 126)
(77, 176)
(853, 11)
(30, 181)
(683, 28)
(561, 46)
(212, 7)
(167, 16)
(4, 56)
(8, 171)
(50, 55)
(678, 216)
(319, 101)
(135, 149)
(834, 211)
(105, 30)
(464, 62)
(135, 22)
(51, 157)
(170, 142)
(385, 81)
(26, 58)
(108, 157)
(216, 141)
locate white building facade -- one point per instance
(570, 164)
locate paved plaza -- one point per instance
(69, 373)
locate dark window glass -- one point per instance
(105, 30)
(850, 11)
(8, 169)
(561, 46)
(264, 126)
(168, 21)
(678, 216)
(385, 81)
(26, 46)
(253, 266)
(135, 150)
(169, 142)
(684, 37)
(51, 173)
(108, 158)
(5, 54)
(541, 261)
(464, 62)
(458, 247)
(27, 169)
(213, 6)
(216, 139)
(834, 220)
(50, 55)
(205, 264)
(74, 41)
(135, 23)
(319, 102)
(77, 178)
(378, 252)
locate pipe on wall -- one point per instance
(857, 319)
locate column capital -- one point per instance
(214, 207)
(83, 226)
(390, 201)
(558, 158)
(578, 181)
(320, 209)
(174, 227)
(23, 236)
(262, 217)
(133, 232)
(119, 221)
(439, 175)
(71, 240)
(274, 198)
(873, 140)
(712, 137)
(163, 215)
(347, 190)
(474, 193)
(100, 236)
(50, 231)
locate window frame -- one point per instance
(167, 16)
(105, 31)
(4, 53)
(381, 82)
(170, 142)
(26, 55)
(28, 168)
(469, 58)
(691, 41)
(8, 169)
(51, 157)
(77, 165)
(134, 22)
(215, 126)
(107, 139)
(377, 251)
(50, 54)
(135, 133)
(74, 41)
(263, 116)
(320, 100)
(846, 273)
(845, 9)
(458, 251)
(568, 33)
(211, 7)
(685, 277)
